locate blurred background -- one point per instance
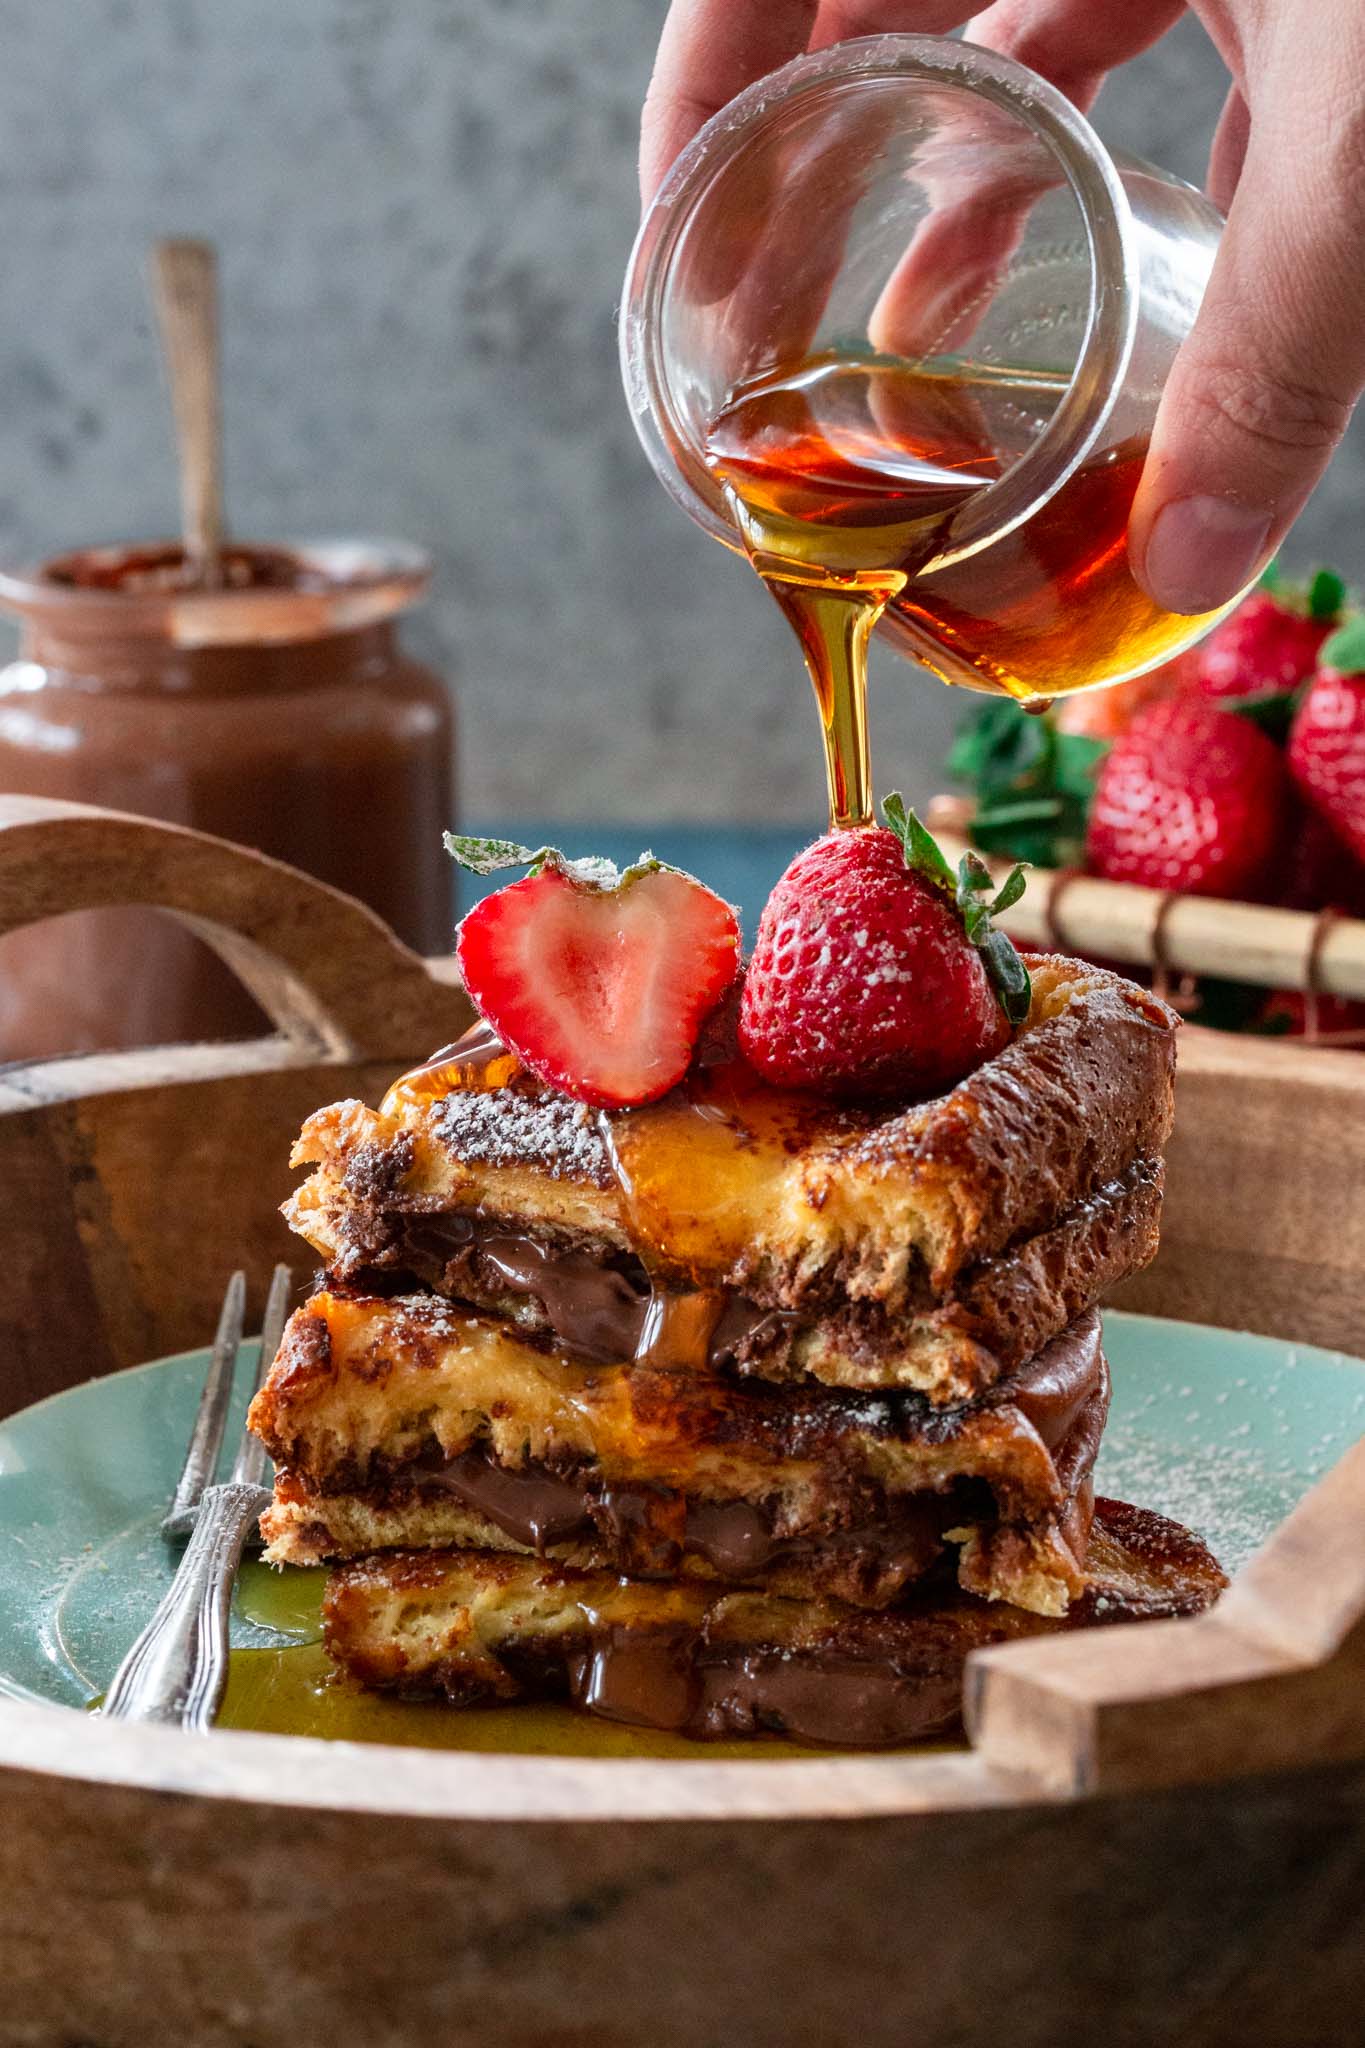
(423, 210)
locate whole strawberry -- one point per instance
(1189, 798)
(1270, 643)
(1327, 738)
(877, 971)
(600, 982)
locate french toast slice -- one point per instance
(477, 1627)
(406, 1422)
(931, 1246)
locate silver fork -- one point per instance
(177, 1668)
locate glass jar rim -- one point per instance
(1110, 331)
(343, 585)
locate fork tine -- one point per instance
(249, 1466)
(206, 1437)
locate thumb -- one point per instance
(1263, 388)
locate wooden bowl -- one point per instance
(1157, 1834)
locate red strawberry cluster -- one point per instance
(1236, 771)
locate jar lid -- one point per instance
(272, 592)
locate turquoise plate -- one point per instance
(1223, 1431)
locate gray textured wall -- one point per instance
(424, 208)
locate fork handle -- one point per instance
(177, 1669)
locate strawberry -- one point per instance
(1327, 738)
(1270, 643)
(877, 971)
(1317, 871)
(1190, 798)
(599, 981)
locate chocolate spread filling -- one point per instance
(650, 1528)
(654, 1680)
(595, 1311)
(594, 1303)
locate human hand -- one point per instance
(1264, 386)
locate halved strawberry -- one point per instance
(599, 981)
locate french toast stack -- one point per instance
(735, 1412)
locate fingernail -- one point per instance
(1202, 551)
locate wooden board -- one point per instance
(1164, 1825)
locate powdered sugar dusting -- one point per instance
(513, 1127)
(1230, 1453)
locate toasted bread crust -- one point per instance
(870, 1206)
(951, 1348)
(370, 1403)
(362, 1388)
(474, 1626)
(1038, 1565)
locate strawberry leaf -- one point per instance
(968, 889)
(1011, 889)
(487, 856)
(1345, 649)
(1271, 710)
(1326, 595)
(1009, 976)
(921, 849)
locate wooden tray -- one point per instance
(1158, 1834)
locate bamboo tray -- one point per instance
(1157, 1835)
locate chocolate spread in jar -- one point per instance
(279, 712)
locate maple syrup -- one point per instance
(845, 474)
(476, 1062)
(692, 1171)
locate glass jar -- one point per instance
(948, 225)
(279, 711)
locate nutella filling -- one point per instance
(595, 1311)
(657, 1679)
(608, 1314)
(649, 1529)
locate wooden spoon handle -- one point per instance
(185, 292)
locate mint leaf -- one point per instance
(1345, 649)
(1326, 595)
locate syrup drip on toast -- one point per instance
(715, 1132)
(477, 1061)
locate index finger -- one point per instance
(711, 49)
